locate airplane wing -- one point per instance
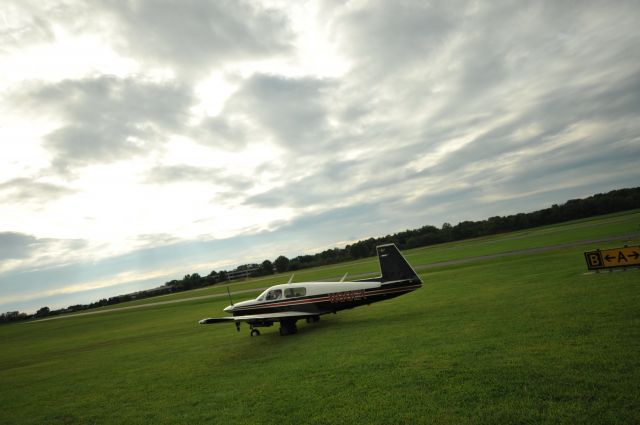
(271, 317)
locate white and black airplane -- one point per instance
(290, 302)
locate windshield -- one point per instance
(261, 296)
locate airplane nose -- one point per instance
(229, 309)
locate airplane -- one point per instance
(287, 303)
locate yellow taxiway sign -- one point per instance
(613, 258)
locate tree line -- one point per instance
(611, 202)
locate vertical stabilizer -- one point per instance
(393, 266)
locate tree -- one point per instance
(266, 267)
(446, 231)
(282, 264)
(44, 311)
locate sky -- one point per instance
(144, 140)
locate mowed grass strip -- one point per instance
(528, 339)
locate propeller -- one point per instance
(231, 301)
(229, 293)
(291, 278)
(344, 277)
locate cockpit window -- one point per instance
(295, 292)
(275, 294)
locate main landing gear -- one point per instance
(288, 327)
(313, 319)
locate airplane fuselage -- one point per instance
(323, 297)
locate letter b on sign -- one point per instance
(594, 260)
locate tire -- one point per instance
(255, 332)
(288, 327)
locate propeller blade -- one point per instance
(229, 293)
(291, 278)
(344, 277)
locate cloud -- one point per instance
(186, 173)
(386, 37)
(15, 245)
(105, 118)
(187, 37)
(21, 27)
(191, 36)
(319, 188)
(21, 246)
(226, 132)
(26, 189)
(291, 111)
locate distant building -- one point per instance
(243, 272)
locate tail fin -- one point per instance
(393, 266)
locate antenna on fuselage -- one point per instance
(229, 293)
(291, 278)
(344, 277)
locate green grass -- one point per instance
(524, 339)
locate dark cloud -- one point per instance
(334, 180)
(15, 245)
(386, 37)
(381, 177)
(448, 60)
(107, 118)
(187, 173)
(24, 189)
(179, 173)
(294, 111)
(193, 35)
(222, 132)
(189, 37)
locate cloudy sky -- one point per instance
(144, 140)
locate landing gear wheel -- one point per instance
(288, 327)
(313, 319)
(255, 332)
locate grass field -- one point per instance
(522, 339)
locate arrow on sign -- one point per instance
(609, 257)
(635, 255)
